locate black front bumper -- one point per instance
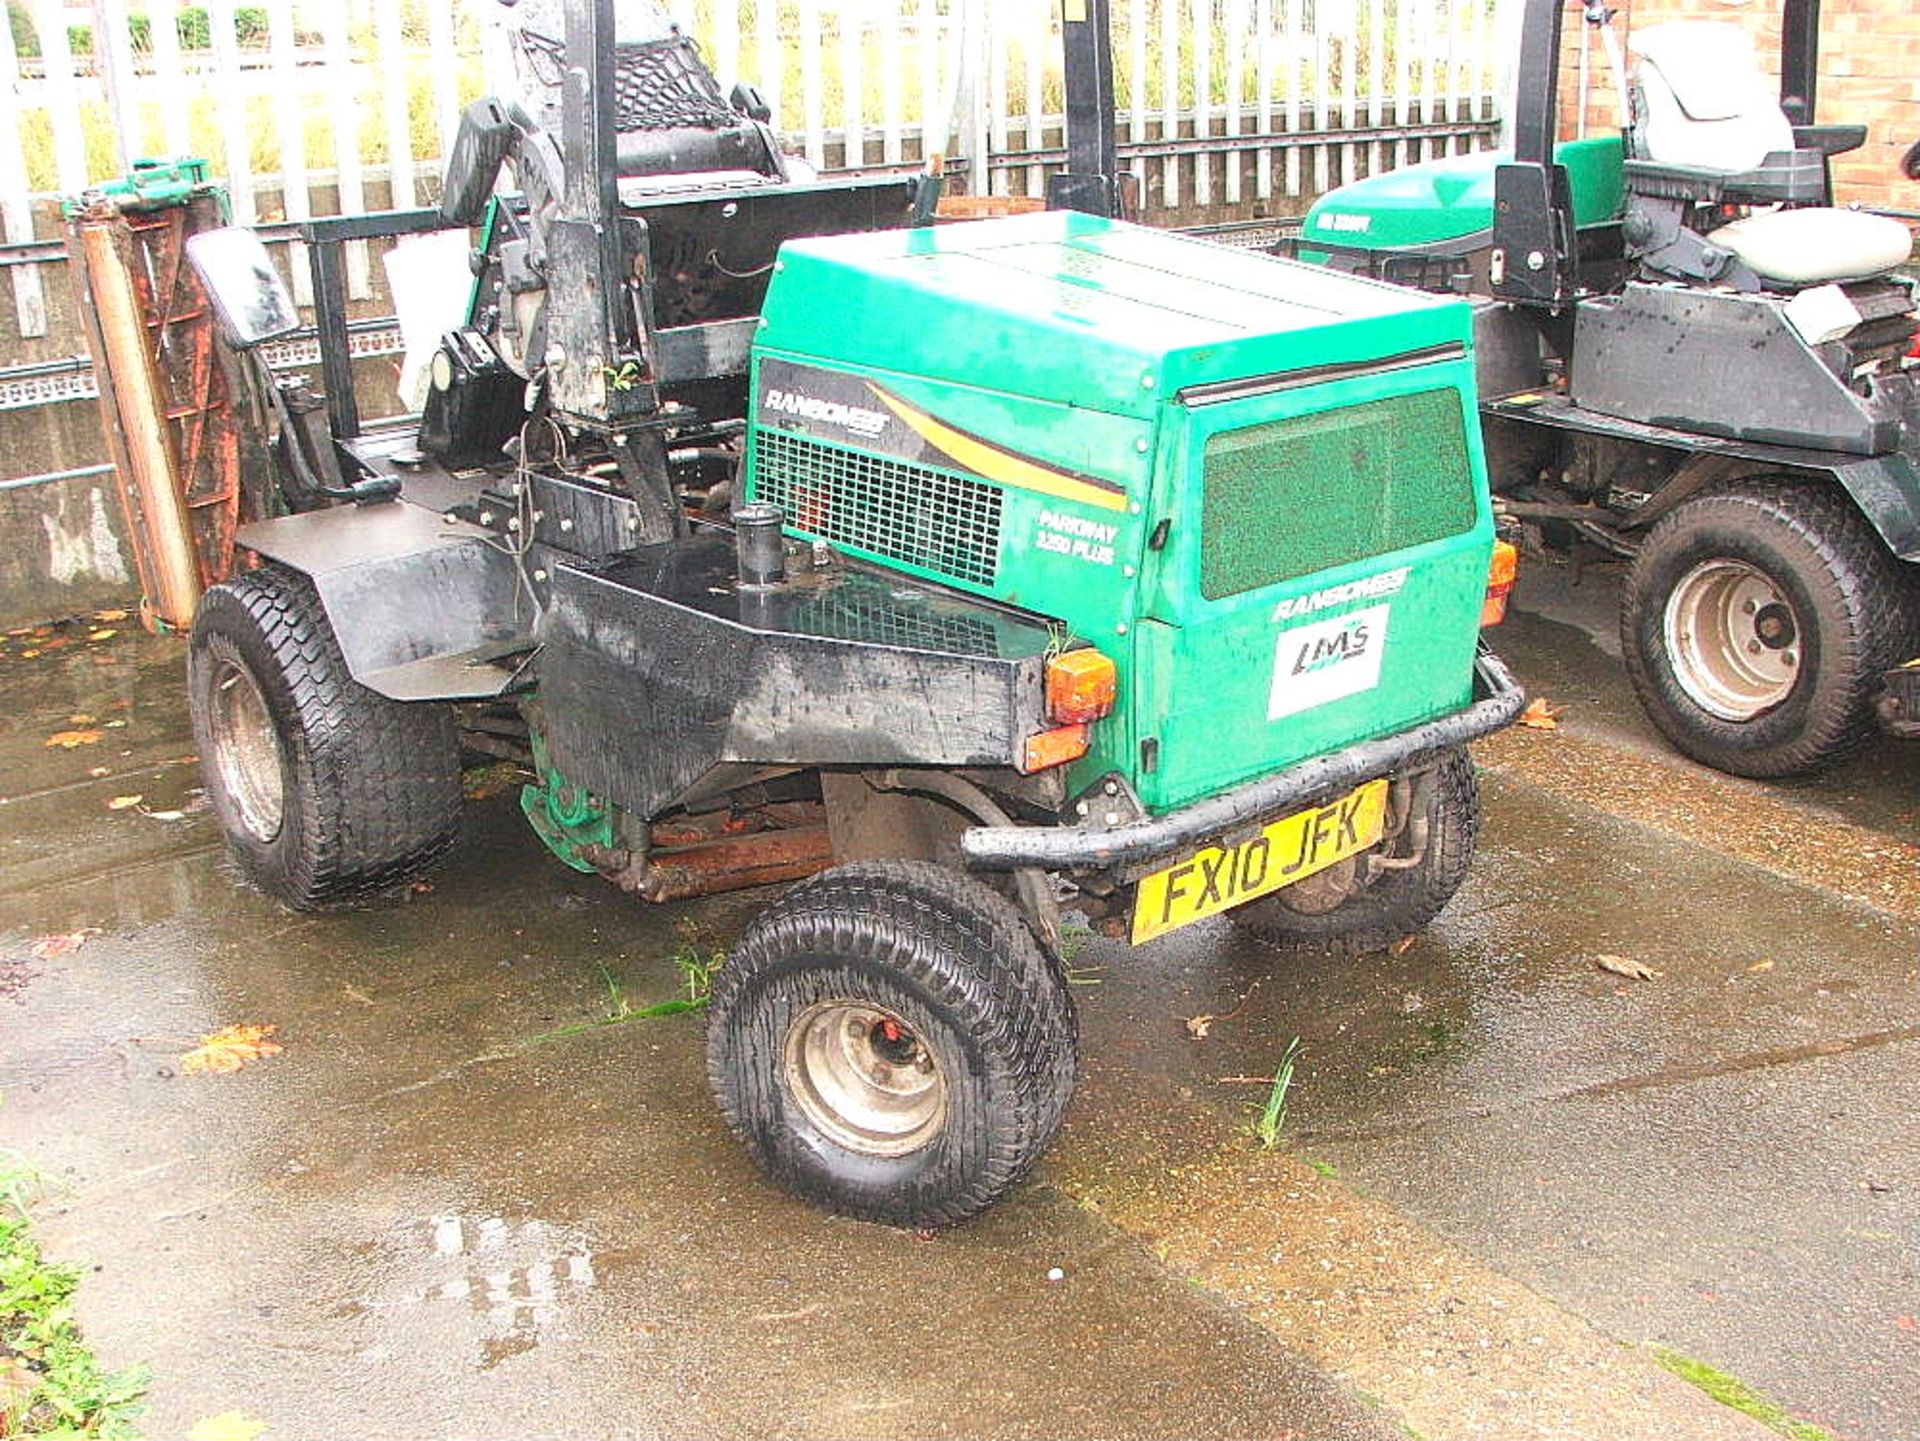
(1497, 703)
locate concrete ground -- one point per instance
(1509, 1175)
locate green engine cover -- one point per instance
(1226, 471)
(1447, 204)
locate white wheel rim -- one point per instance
(1734, 640)
(246, 751)
(861, 1075)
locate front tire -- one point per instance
(327, 791)
(1757, 623)
(1359, 906)
(890, 1042)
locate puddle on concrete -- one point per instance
(510, 1282)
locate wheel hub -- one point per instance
(861, 1075)
(246, 751)
(1324, 892)
(1733, 638)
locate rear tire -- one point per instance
(890, 1042)
(1757, 623)
(327, 792)
(1393, 904)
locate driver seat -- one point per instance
(1709, 136)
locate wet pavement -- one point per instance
(1509, 1175)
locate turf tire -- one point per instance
(327, 791)
(956, 965)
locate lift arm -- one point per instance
(1535, 261)
(1091, 181)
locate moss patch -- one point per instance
(1732, 1391)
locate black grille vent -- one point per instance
(908, 513)
(851, 616)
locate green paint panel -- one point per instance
(1246, 682)
(1080, 311)
(1451, 199)
(1020, 408)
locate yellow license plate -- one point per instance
(1289, 850)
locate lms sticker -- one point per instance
(1328, 661)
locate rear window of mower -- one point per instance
(1302, 495)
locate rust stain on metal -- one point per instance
(736, 863)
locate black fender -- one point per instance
(425, 606)
(1884, 488)
(1887, 490)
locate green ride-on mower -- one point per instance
(1688, 358)
(954, 572)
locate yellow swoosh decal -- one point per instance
(971, 453)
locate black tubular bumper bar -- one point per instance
(1498, 701)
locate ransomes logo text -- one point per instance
(866, 423)
(1328, 660)
(1374, 587)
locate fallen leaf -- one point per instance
(1198, 1026)
(1623, 966)
(1758, 966)
(80, 720)
(110, 617)
(1403, 945)
(421, 888)
(165, 815)
(49, 948)
(100, 772)
(116, 725)
(73, 740)
(102, 634)
(124, 803)
(228, 1426)
(228, 1049)
(1542, 715)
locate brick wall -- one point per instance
(1869, 75)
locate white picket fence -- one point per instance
(347, 105)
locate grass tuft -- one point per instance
(696, 969)
(1273, 1115)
